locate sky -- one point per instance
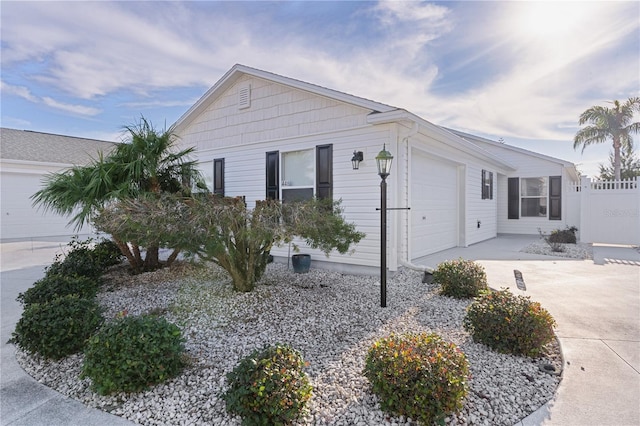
(519, 72)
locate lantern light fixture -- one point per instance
(358, 156)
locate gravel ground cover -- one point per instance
(573, 251)
(331, 318)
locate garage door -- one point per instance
(434, 205)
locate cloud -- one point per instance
(75, 109)
(25, 93)
(20, 91)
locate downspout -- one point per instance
(405, 143)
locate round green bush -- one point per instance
(132, 353)
(509, 324)
(106, 253)
(417, 375)
(460, 278)
(268, 387)
(57, 328)
(86, 259)
(52, 286)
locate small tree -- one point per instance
(223, 230)
(629, 165)
(148, 163)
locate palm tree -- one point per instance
(609, 123)
(147, 164)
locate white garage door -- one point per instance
(434, 205)
(19, 219)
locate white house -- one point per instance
(262, 135)
(26, 157)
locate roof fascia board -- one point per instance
(237, 70)
(443, 134)
(513, 148)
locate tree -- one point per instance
(629, 165)
(224, 231)
(609, 123)
(147, 164)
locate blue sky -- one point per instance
(519, 71)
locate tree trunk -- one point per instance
(152, 259)
(616, 159)
(124, 248)
(173, 256)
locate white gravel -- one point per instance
(331, 318)
(573, 251)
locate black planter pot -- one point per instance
(301, 263)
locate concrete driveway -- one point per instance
(596, 304)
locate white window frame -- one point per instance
(544, 198)
(284, 183)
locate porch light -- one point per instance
(358, 156)
(383, 160)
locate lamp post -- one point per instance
(383, 160)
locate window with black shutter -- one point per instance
(487, 185)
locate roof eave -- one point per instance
(444, 135)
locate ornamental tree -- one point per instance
(224, 231)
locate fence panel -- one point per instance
(610, 211)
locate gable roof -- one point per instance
(27, 145)
(239, 70)
(380, 113)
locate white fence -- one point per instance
(609, 211)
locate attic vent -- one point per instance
(244, 96)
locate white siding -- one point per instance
(529, 166)
(479, 210)
(276, 112)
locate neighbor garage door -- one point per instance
(434, 204)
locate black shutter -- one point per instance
(218, 176)
(514, 198)
(491, 185)
(324, 171)
(555, 197)
(273, 175)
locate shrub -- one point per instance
(86, 260)
(133, 352)
(509, 323)
(268, 387)
(57, 328)
(417, 375)
(52, 286)
(106, 253)
(564, 236)
(460, 278)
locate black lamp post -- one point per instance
(383, 160)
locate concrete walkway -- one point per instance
(596, 304)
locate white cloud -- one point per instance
(75, 109)
(20, 91)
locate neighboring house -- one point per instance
(26, 157)
(262, 135)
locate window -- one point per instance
(298, 175)
(535, 197)
(304, 173)
(487, 185)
